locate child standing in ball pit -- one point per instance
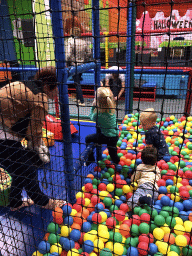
(153, 136)
(103, 113)
(146, 176)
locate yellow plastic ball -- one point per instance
(181, 240)
(73, 252)
(179, 221)
(93, 254)
(170, 133)
(126, 189)
(109, 245)
(168, 188)
(190, 118)
(104, 235)
(118, 249)
(91, 235)
(188, 226)
(56, 248)
(172, 117)
(87, 201)
(166, 229)
(179, 229)
(104, 216)
(73, 212)
(110, 187)
(102, 227)
(158, 233)
(176, 197)
(117, 227)
(172, 253)
(103, 194)
(168, 139)
(65, 231)
(178, 182)
(163, 247)
(37, 253)
(98, 245)
(79, 194)
(83, 189)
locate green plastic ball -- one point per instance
(107, 201)
(52, 228)
(134, 230)
(187, 250)
(131, 241)
(118, 237)
(182, 164)
(144, 228)
(142, 211)
(111, 171)
(113, 208)
(175, 249)
(159, 220)
(136, 210)
(105, 252)
(118, 192)
(164, 214)
(170, 221)
(106, 175)
(174, 189)
(53, 238)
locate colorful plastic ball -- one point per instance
(52, 228)
(53, 238)
(172, 253)
(187, 251)
(159, 220)
(184, 215)
(187, 205)
(68, 244)
(118, 249)
(86, 227)
(44, 247)
(119, 215)
(158, 233)
(73, 252)
(88, 246)
(98, 245)
(124, 230)
(163, 247)
(67, 209)
(132, 251)
(144, 228)
(179, 229)
(143, 248)
(163, 190)
(134, 230)
(105, 252)
(75, 234)
(56, 248)
(181, 240)
(152, 248)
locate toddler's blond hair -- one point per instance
(149, 115)
(105, 100)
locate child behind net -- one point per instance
(146, 176)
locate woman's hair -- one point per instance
(149, 155)
(46, 75)
(105, 100)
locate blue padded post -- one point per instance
(63, 96)
(81, 68)
(96, 40)
(128, 59)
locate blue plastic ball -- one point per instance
(157, 207)
(165, 124)
(163, 190)
(118, 168)
(68, 220)
(152, 248)
(89, 218)
(179, 206)
(63, 241)
(122, 177)
(105, 181)
(66, 210)
(190, 182)
(128, 181)
(169, 182)
(70, 244)
(107, 211)
(158, 202)
(99, 207)
(88, 180)
(88, 246)
(75, 235)
(97, 175)
(86, 227)
(138, 161)
(44, 247)
(187, 205)
(104, 156)
(165, 200)
(132, 251)
(184, 215)
(123, 199)
(118, 202)
(54, 254)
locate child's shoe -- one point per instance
(146, 200)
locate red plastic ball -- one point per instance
(87, 195)
(77, 246)
(129, 156)
(184, 195)
(124, 207)
(96, 218)
(95, 200)
(116, 177)
(188, 174)
(97, 169)
(143, 248)
(185, 182)
(95, 191)
(165, 166)
(110, 222)
(119, 215)
(102, 187)
(145, 217)
(136, 220)
(77, 207)
(146, 238)
(161, 182)
(129, 195)
(80, 201)
(88, 187)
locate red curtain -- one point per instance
(154, 6)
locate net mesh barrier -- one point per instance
(54, 57)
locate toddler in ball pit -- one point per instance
(153, 136)
(146, 176)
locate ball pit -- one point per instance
(98, 224)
